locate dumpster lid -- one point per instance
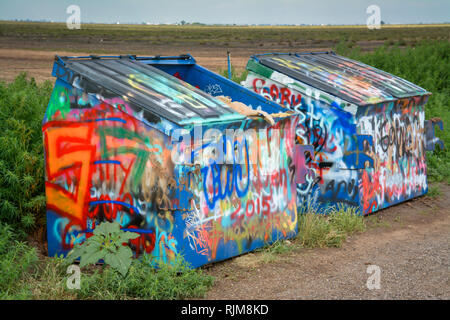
(342, 77)
(149, 88)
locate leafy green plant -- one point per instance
(106, 244)
(22, 197)
(175, 280)
(16, 258)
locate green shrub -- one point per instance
(106, 244)
(170, 281)
(16, 259)
(22, 197)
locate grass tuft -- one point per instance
(316, 230)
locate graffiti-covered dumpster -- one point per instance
(362, 129)
(194, 175)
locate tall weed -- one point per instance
(22, 198)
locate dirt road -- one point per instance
(409, 242)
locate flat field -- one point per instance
(31, 46)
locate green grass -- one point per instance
(22, 198)
(23, 276)
(375, 221)
(272, 252)
(176, 281)
(316, 230)
(236, 76)
(434, 191)
(221, 35)
(16, 260)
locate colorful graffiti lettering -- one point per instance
(104, 162)
(370, 158)
(279, 94)
(243, 203)
(102, 165)
(398, 151)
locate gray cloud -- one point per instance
(231, 11)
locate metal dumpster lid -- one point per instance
(342, 77)
(149, 88)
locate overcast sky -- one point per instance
(230, 11)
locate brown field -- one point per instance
(31, 47)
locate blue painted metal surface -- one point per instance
(117, 149)
(367, 128)
(210, 82)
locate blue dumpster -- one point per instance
(365, 128)
(126, 140)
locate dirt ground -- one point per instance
(39, 63)
(36, 57)
(410, 243)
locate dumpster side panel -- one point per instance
(332, 176)
(399, 172)
(103, 164)
(246, 200)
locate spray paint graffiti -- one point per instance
(243, 203)
(368, 157)
(101, 165)
(399, 170)
(105, 162)
(280, 94)
(337, 149)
